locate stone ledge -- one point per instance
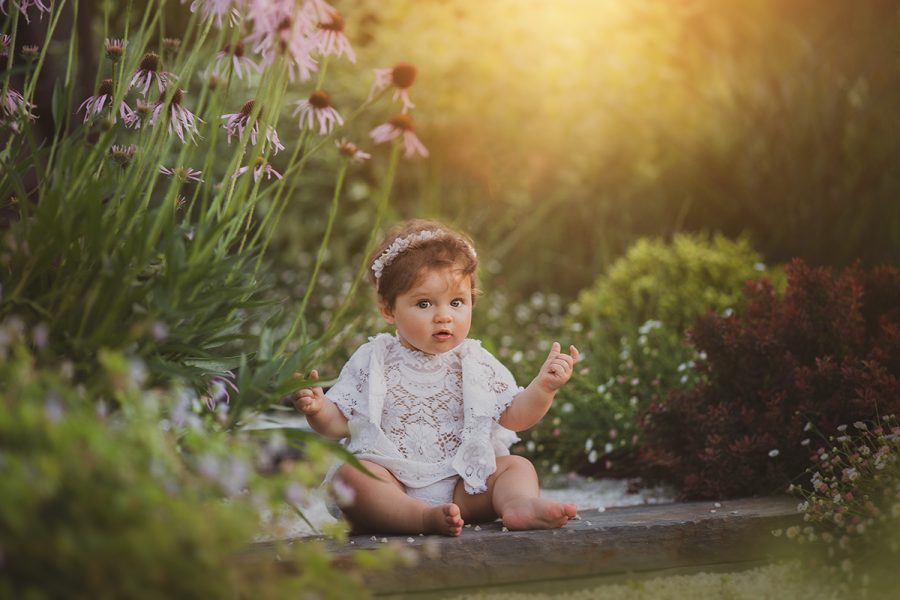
(619, 540)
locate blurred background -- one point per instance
(560, 132)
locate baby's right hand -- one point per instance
(309, 401)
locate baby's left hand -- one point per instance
(558, 367)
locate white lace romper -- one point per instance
(428, 419)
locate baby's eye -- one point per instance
(423, 303)
(457, 302)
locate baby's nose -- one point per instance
(442, 317)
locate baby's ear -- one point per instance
(386, 311)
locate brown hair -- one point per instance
(445, 249)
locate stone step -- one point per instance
(630, 539)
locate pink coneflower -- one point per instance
(5, 41)
(140, 115)
(115, 48)
(150, 69)
(217, 393)
(122, 154)
(402, 76)
(262, 167)
(289, 37)
(182, 173)
(95, 105)
(30, 52)
(12, 107)
(330, 38)
(24, 5)
(236, 123)
(401, 124)
(238, 60)
(181, 120)
(217, 9)
(318, 108)
(351, 151)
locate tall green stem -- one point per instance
(370, 245)
(320, 256)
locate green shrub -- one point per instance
(630, 326)
(141, 502)
(591, 426)
(673, 282)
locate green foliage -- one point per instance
(139, 314)
(592, 426)
(630, 327)
(107, 504)
(673, 282)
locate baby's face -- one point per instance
(436, 314)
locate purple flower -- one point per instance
(351, 151)
(149, 70)
(400, 125)
(239, 62)
(96, 104)
(261, 168)
(24, 5)
(217, 391)
(330, 39)
(236, 123)
(318, 108)
(182, 173)
(402, 76)
(181, 120)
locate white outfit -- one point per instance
(428, 419)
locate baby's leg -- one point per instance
(382, 506)
(513, 494)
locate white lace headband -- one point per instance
(401, 245)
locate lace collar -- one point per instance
(419, 357)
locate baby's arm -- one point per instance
(322, 414)
(531, 404)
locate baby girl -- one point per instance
(429, 412)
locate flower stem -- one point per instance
(320, 256)
(370, 245)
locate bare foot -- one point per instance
(537, 513)
(443, 519)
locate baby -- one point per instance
(429, 412)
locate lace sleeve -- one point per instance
(350, 392)
(499, 381)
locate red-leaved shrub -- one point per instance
(826, 354)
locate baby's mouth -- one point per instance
(442, 335)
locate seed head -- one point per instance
(106, 88)
(319, 99)
(404, 75)
(115, 48)
(176, 98)
(236, 49)
(403, 122)
(151, 63)
(122, 154)
(247, 108)
(29, 53)
(144, 109)
(336, 23)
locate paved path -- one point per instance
(619, 540)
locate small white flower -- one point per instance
(774, 452)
